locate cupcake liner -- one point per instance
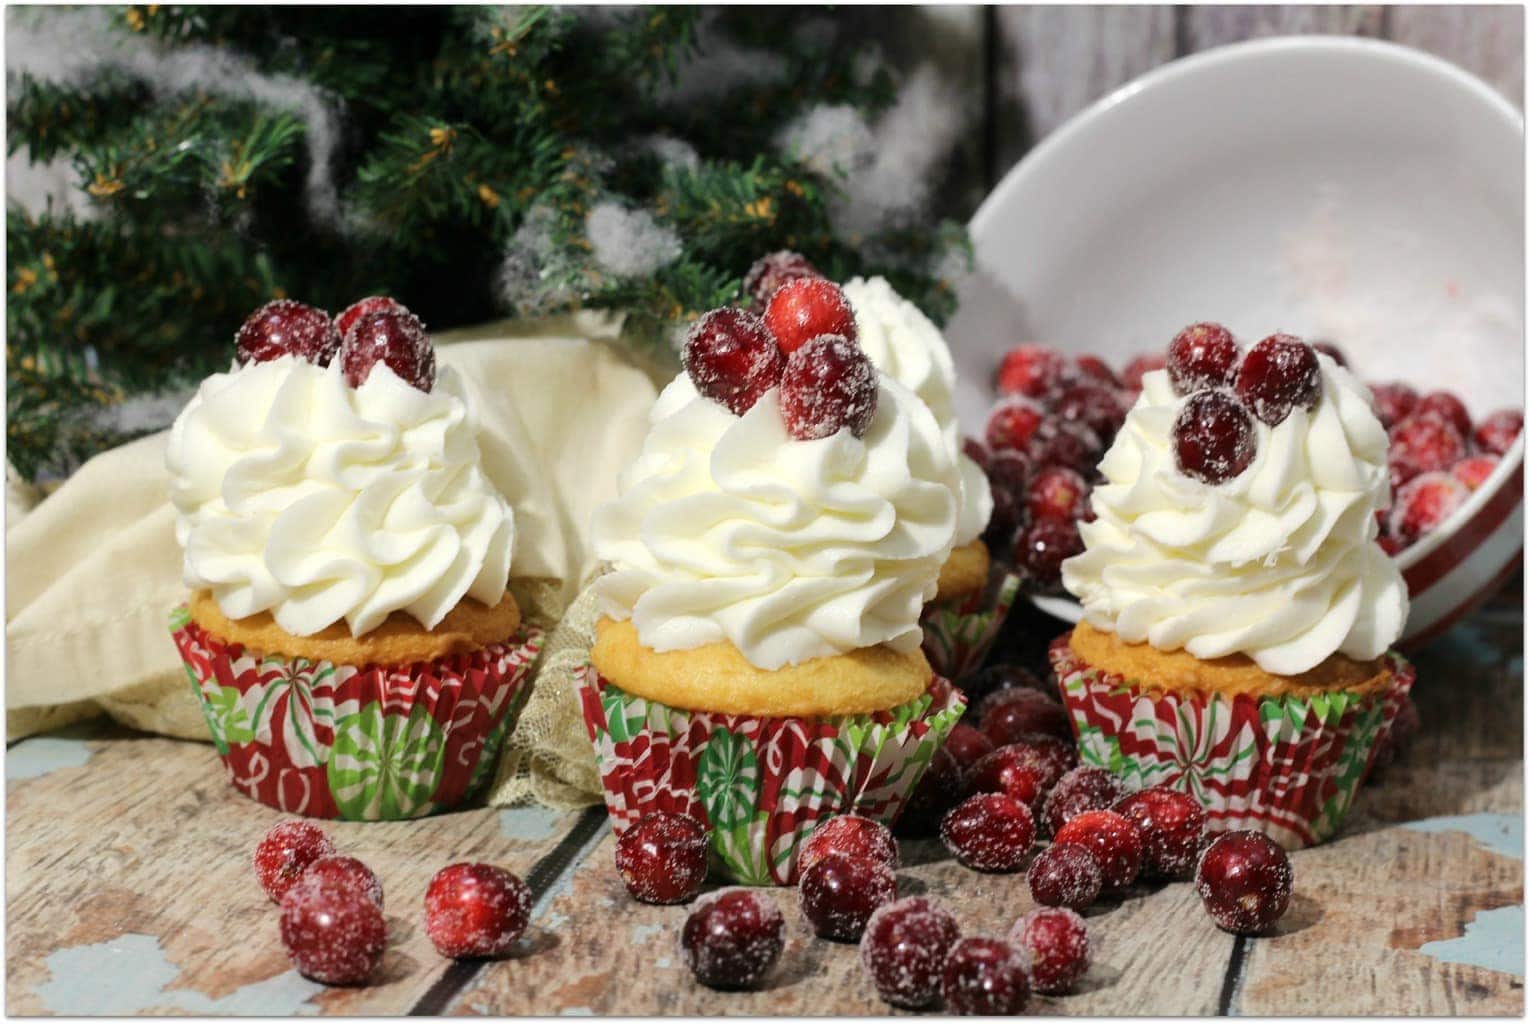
(959, 632)
(760, 784)
(1286, 766)
(363, 743)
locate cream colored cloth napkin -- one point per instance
(94, 570)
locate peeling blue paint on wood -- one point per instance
(1494, 939)
(36, 757)
(1503, 834)
(532, 824)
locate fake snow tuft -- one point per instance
(629, 243)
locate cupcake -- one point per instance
(973, 595)
(757, 662)
(1238, 612)
(350, 632)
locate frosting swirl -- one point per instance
(299, 495)
(728, 529)
(1279, 563)
(904, 344)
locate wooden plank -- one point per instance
(1488, 41)
(1217, 25)
(129, 888)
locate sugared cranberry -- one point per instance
(1172, 823)
(1057, 492)
(1424, 442)
(904, 948)
(1091, 405)
(850, 834)
(1473, 472)
(1044, 758)
(476, 910)
(1201, 356)
(286, 327)
(1213, 438)
(1393, 400)
(1497, 431)
(1424, 503)
(1012, 424)
(338, 870)
(1010, 470)
(1058, 941)
(1012, 691)
(828, 385)
(808, 308)
(968, 745)
(398, 341)
(1043, 546)
(997, 683)
(1131, 377)
(371, 304)
(1244, 881)
(733, 938)
(1449, 406)
(1031, 370)
(1058, 442)
(1116, 843)
(333, 933)
(977, 451)
(772, 271)
(1332, 351)
(1277, 375)
(1065, 876)
(285, 852)
(1096, 369)
(939, 790)
(1011, 721)
(985, 977)
(732, 358)
(1082, 789)
(839, 892)
(989, 832)
(662, 857)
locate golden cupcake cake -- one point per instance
(1238, 612)
(350, 631)
(758, 664)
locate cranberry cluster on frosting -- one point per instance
(804, 344)
(375, 330)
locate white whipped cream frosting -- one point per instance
(1279, 563)
(904, 344)
(728, 529)
(299, 495)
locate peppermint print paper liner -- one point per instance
(959, 632)
(363, 743)
(1286, 766)
(760, 784)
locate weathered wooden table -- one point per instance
(129, 890)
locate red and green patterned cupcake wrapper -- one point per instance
(760, 784)
(1286, 766)
(959, 632)
(363, 743)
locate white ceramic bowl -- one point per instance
(1339, 188)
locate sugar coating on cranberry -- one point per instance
(662, 857)
(1066, 875)
(732, 358)
(1115, 841)
(1022, 770)
(1082, 789)
(939, 789)
(1213, 438)
(1424, 503)
(1424, 442)
(1279, 374)
(1473, 472)
(1096, 369)
(1057, 492)
(286, 327)
(806, 308)
(285, 852)
(371, 304)
(1498, 429)
(1393, 401)
(1043, 546)
(1059, 442)
(476, 910)
(1244, 880)
(989, 832)
(1001, 682)
(986, 977)
(1012, 424)
(345, 871)
(1131, 377)
(1021, 718)
(1060, 948)
(1172, 823)
(839, 892)
(771, 271)
(828, 385)
(968, 745)
(396, 340)
(1031, 370)
(1449, 406)
(904, 948)
(1091, 405)
(732, 938)
(1201, 356)
(333, 933)
(851, 834)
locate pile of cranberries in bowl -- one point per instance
(1057, 414)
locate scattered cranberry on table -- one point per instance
(1244, 881)
(285, 852)
(1081, 789)
(1172, 823)
(476, 910)
(968, 745)
(1065, 875)
(732, 938)
(1115, 841)
(839, 892)
(985, 977)
(1023, 715)
(1058, 942)
(989, 832)
(346, 871)
(662, 857)
(852, 834)
(333, 933)
(904, 949)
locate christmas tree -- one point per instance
(472, 162)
